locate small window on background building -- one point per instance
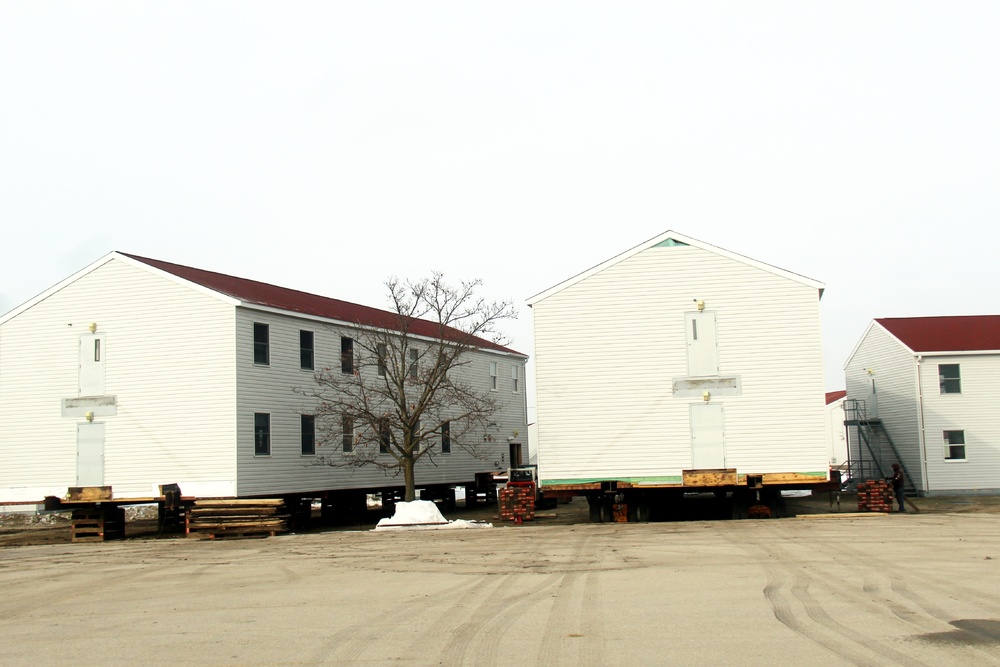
(414, 356)
(951, 378)
(446, 438)
(261, 434)
(347, 429)
(261, 344)
(346, 355)
(384, 437)
(493, 375)
(307, 430)
(514, 377)
(381, 350)
(954, 445)
(306, 355)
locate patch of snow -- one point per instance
(423, 515)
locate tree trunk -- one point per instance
(411, 492)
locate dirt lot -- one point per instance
(822, 589)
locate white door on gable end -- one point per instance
(708, 443)
(90, 454)
(92, 364)
(702, 346)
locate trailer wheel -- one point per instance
(595, 509)
(607, 516)
(642, 513)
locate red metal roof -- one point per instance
(960, 333)
(282, 298)
(832, 396)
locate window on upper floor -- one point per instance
(515, 377)
(414, 357)
(954, 445)
(261, 434)
(307, 434)
(950, 377)
(347, 434)
(306, 353)
(381, 350)
(493, 376)
(346, 355)
(446, 438)
(261, 344)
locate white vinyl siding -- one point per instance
(168, 352)
(608, 346)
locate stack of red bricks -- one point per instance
(875, 496)
(517, 503)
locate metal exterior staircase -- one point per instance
(874, 440)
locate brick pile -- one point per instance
(875, 496)
(517, 503)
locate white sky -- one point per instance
(326, 146)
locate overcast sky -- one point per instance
(326, 146)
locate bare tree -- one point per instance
(399, 394)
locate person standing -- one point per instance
(897, 486)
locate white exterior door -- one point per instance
(90, 454)
(92, 365)
(702, 348)
(708, 449)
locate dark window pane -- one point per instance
(951, 378)
(382, 351)
(446, 438)
(261, 351)
(306, 350)
(308, 423)
(261, 433)
(384, 438)
(346, 355)
(347, 427)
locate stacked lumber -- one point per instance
(97, 524)
(216, 519)
(875, 496)
(517, 503)
(759, 511)
(619, 512)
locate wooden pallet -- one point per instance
(98, 524)
(219, 519)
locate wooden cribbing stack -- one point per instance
(215, 519)
(875, 496)
(517, 504)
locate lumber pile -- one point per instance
(97, 524)
(216, 519)
(517, 503)
(875, 496)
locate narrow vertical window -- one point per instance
(384, 437)
(306, 353)
(381, 351)
(261, 434)
(414, 356)
(97, 349)
(493, 375)
(446, 438)
(950, 377)
(694, 329)
(347, 355)
(514, 377)
(261, 344)
(347, 431)
(307, 434)
(954, 445)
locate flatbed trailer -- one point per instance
(736, 495)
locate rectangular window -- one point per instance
(97, 349)
(261, 344)
(384, 437)
(347, 429)
(261, 434)
(950, 378)
(306, 362)
(347, 355)
(307, 429)
(493, 375)
(514, 377)
(446, 438)
(381, 351)
(954, 445)
(414, 356)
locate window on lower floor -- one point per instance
(307, 434)
(950, 377)
(384, 437)
(954, 445)
(446, 438)
(347, 430)
(261, 434)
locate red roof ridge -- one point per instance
(945, 333)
